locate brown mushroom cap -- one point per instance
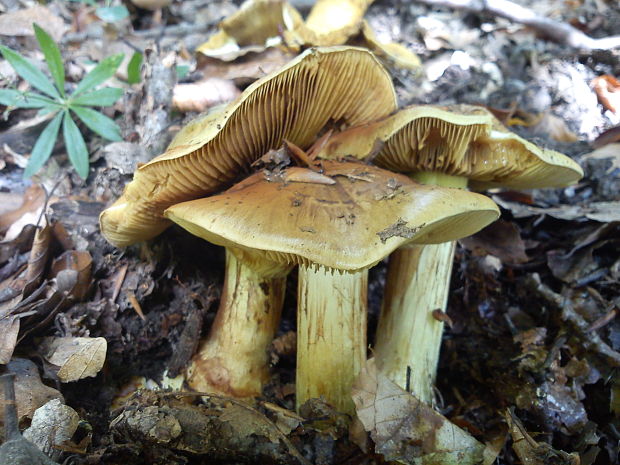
(460, 140)
(348, 224)
(337, 84)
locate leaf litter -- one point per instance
(533, 302)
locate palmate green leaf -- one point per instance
(98, 98)
(27, 70)
(98, 123)
(15, 98)
(99, 74)
(43, 146)
(52, 57)
(75, 145)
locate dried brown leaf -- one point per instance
(30, 392)
(19, 22)
(531, 452)
(501, 239)
(200, 96)
(76, 357)
(607, 90)
(406, 430)
(9, 329)
(607, 152)
(79, 264)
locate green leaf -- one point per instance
(75, 145)
(100, 73)
(52, 57)
(111, 14)
(15, 98)
(98, 123)
(182, 71)
(43, 146)
(98, 98)
(27, 70)
(133, 68)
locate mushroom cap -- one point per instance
(348, 218)
(332, 22)
(255, 25)
(322, 86)
(460, 140)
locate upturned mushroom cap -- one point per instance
(257, 24)
(460, 140)
(332, 22)
(348, 218)
(346, 85)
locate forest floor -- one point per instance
(530, 362)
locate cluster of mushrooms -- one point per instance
(334, 215)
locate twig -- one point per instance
(11, 430)
(590, 339)
(559, 32)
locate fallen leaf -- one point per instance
(78, 263)
(607, 90)
(607, 137)
(19, 22)
(604, 212)
(531, 452)
(9, 329)
(202, 95)
(555, 127)
(407, 430)
(32, 203)
(608, 152)
(76, 357)
(501, 239)
(52, 424)
(30, 392)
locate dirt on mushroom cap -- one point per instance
(345, 225)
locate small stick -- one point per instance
(11, 428)
(560, 32)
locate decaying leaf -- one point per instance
(609, 152)
(9, 329)
(30, 392)
(406, 430)
(74, 266)
(52, 424)
(30, 208)
(607, 90)
(200, 96)
(598, 211)
(75, 357)
(501, 239)
(531, 452)
(19, 22)
(555, 127)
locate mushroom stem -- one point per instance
(331, 334)
(408, 335)
(233, 360)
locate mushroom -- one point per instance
(455, 147)
(321, 86)
(334, 224)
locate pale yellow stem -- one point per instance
(331, 334)
(233, 359)
(408, 335)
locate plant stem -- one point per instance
(331, 334)
(233, 360)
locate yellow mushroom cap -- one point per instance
(322, 86)
(347, 218)
(461, 140)
(332, 22)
